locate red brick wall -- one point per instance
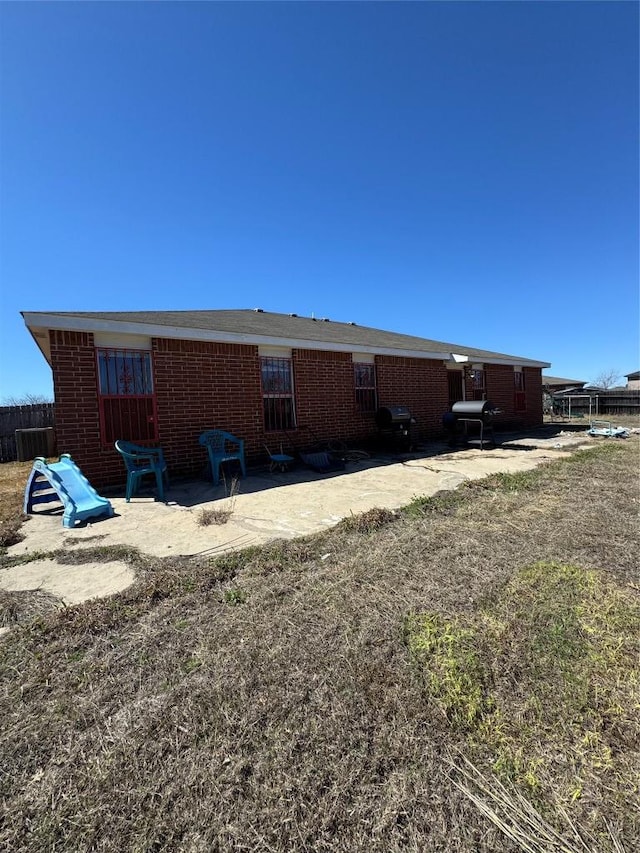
(325, 396)
(500, 386)
(73, 362)
(419, 384)
(533, 391)
(199, 386)
(203, 385)
(501, 392)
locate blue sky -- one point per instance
(466, 172)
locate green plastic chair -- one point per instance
(140, 461)
(222, 447)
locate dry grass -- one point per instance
(13, 477)
(221, 513)
(213, 516)
(271, 700)
(519, 820)
(23, 605)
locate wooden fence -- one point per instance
(21, 417)
(613, 403)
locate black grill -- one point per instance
(470, 422)
(394, 426)
(475, 409)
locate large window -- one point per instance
(277, 393)
(520, 396)
(365, 382)
(127, 401)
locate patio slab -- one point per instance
(288, 504)
(268, 506)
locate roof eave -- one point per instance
(40, 320)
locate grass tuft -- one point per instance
(369, 521)
(213, 516)
(23, 605)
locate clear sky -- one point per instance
(466, 172)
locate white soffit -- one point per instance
(120, 341)
(41, 337)
(267, 351)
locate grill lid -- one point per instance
(474, 408)
(389, 415)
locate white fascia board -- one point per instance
(522, 362)
(41, 337)
(85, 324)
(459, 359)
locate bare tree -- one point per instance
(607, 379)
(28, 400)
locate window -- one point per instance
(365, 382)
(520, 396)
(127, 401)
(277, 393)
(479, 384)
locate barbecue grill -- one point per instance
(471, 418)
(394, 425)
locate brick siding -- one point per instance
(419, 384)
(202, 385)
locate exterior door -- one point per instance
(455, 387)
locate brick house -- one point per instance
(633, 380)
(553, 384)
(164, 377)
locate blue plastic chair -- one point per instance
(140, 461)
(222, 447)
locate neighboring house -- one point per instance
(554, 384)
(166, 376)
(633, 380)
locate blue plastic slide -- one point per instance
(63, 481)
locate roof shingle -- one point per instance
(257, 323)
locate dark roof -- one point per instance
(555, 380)
(634, 375)
(271, 325)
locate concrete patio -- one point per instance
(268, 505)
